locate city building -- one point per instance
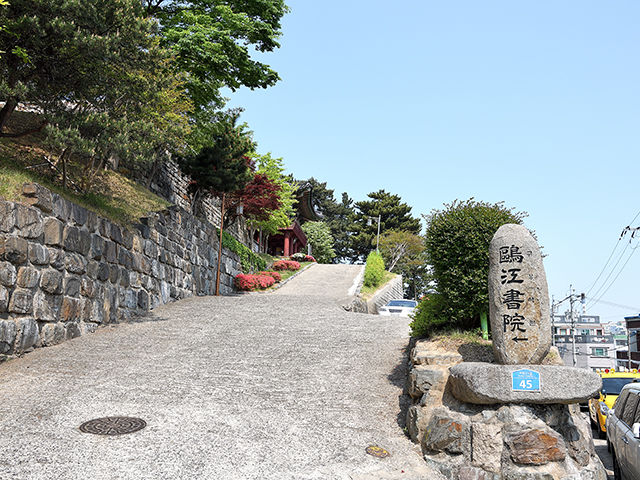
(584, 343)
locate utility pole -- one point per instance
(573, 324)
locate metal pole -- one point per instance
(573, 325)
(378, 238)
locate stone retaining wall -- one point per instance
(394, 290)
(64, 270)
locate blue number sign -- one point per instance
(525, 380)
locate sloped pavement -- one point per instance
(284, 385)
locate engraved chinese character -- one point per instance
(512, 299)
(510, 276)
(515, 322)
(511, 255)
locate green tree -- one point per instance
(96, 71)
(221, 167)
(397, 247)
(457, 244)
(393, 215)
(337, 215)
(274, 169)
(210, 40)
(319, 237)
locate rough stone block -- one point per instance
(110, 251)
(28, 221)
(486, 384)
(115, 232)
(97, 247)
(8, 274)
(114, 274)
(88, 288)
(28, 277)
(535, 446)
(445, 433)
(52, 334)
(125, 257)
(75, 263)
(84, 242)
(487, 448)
(93, 222)
(72, 330)
(27, 336)
(4, 299)
(103, 272)
(143, 300)
(38, 196)
(61, 207)
(71, 239)
(21, 301)
(72, 285)
(53, 232)
(79, 214)
(70, 310)
(58, 258)
(51, 281)
(8, 332)
(38, 254)
(46, 307)
(472, 473)
(421, 380)
(7, 216)
(127, 239)
(14, 249)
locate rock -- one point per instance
(487, 449)
(445, 433)
(75, 263)
(4, 299)
(46, 307)
(7, 216)
(51, 281)
(38, 196)
(21, 301)
(471, 473)
(8, 275)
(28, 277)
(28, 221)
(14, 249)
(28, 335)
(97, 247)
(518, 298)
(58, 258)
(8, 332)
(72, 285)
(71, 309)
(535, 446)
(52, 334)
(486, 384)
(53, 232)
(38, 254)
(421, 380)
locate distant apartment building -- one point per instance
(585, 343)
(630, 357)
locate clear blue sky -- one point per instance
(536, 104)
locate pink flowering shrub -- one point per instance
(277, 276)
(286, 265)
(309, 258)
(248, 282)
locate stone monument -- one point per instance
(515, 418)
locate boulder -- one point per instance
(487, 383)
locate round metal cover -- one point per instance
(377, 451)
(113, 425)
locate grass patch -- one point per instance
(453, 339)
(112, 195)
(368, 292)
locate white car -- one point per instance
(401, 308)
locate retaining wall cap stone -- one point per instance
(487, 384)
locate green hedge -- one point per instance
(249, 260)
(373, 270)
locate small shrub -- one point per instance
(373, 270)
(277, 276)
(286, 265)
(309, 258)
(428, 317)
(298, 257)
(248, 282)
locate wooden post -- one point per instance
(220, 249)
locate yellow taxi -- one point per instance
(612, 383)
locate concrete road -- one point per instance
(284, 385)
(601, 450)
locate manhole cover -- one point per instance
(377, 451)
(113, 425)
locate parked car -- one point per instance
(623, 433)
(401, 308)
(612, 383)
